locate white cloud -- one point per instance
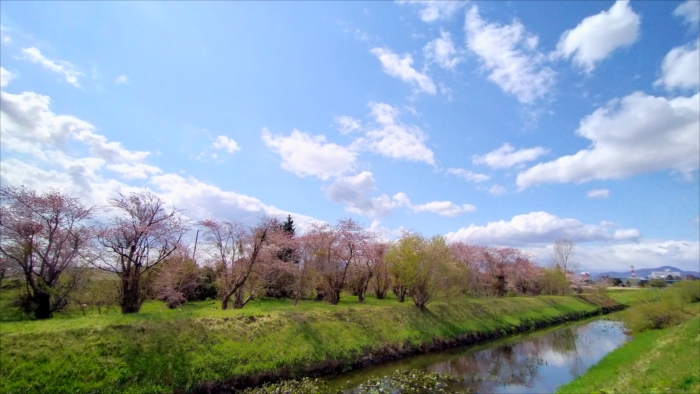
(353, 192)
(347, 124)
(27, 125)
(689, 11)
(121, 79)
(5, 77)
(392, 138)
(304, 154)
(598, 193)
(537, 227)
(618, 256)
(506, 156)
(225, 143)
(442, 51)
(385, 233)
(681, 67)
(400, 67)
(444, 208)
(626, 234)
(468, 175)
(597, 36)
(635, 135)
(510, 54)
(497, 190)
(435, 10)
(59, 66)
(134, 171)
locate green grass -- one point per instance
(161, 350)
(629, 297)
(654, 361)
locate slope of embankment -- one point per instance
(218, 350)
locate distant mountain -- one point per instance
(644, 272)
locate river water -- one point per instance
(538, 362)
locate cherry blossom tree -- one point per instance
(235, 251)
(178, 278)
(339, 248)
(45, 235)
(304, 271)
(471, 258)
(142, 234)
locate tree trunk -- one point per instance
(224, 301)
(131, 295)
(42, 302)
(238, 299)
(333, 297)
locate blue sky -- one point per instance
(498, 123)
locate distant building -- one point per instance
(669, 276)
(690, 277)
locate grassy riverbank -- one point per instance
(164, 350)
(655, 361)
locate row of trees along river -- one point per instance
(62, 251)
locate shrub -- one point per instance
(658, 283)
(688, 290)
(662, 312)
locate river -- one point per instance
(537, 362)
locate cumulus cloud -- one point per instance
(401, 67)
(597, 36)
(634, 135)
(5, 77)
(304, 154)
(347, 124)
(121, 79)
(510, 55)
(390, 137)
(61, 67)
(506, 156)
(689, 11)
(353, 192)
(598, 193)
(444, 208)
(618, 256)
(468, 176)
(28, 126)
(681, 67)
(443, 52)
(434, 10)
(225, 143)
(537, 227)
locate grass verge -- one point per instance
(655, 361)
(205, 349)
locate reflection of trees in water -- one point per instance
(490, 368)
(511, 364)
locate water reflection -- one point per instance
(535, 363)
